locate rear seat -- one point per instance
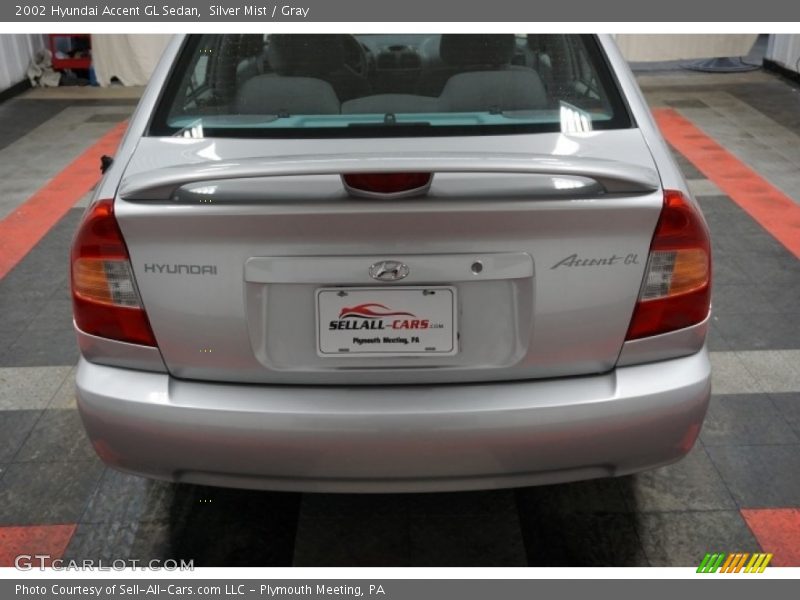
(391, 103)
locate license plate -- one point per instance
(408, 321)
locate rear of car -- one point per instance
(392, 263)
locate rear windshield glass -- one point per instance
(337, 85)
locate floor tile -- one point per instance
(727, 272)
(745, 419)
(715, 341)
(715, 204)
(65, 397)
(229, 527)
(17, 308)
(774, 370)
(121, 497)
(729, 375)
(582, 540)
(56, 314)
(769, 269)
(105, 542)
(50, 540)
(760, 476)
(20, 116)
(346, 506)
(728, 244)
(691, 484)
(778, 532)
(703, 187)
(681, 539)
(785, 298)
(29, 388)
(369, 540)
(58, 436)
(458, 504)
(687, 168)
(760, 331)
(46, 493)
(15, 427)
(36, 348)
(490, 540)
(788, 406)
(409, 529)
(584, 497)
(739, 299)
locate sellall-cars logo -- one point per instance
(374, 316)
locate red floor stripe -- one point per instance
(23, 228)
(778, 531)
(771, 208)
(35, 539)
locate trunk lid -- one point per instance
(244, 264)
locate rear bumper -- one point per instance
(395, 438)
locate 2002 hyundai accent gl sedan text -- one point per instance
(391, 263)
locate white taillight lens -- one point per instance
(105, 281)
(674, 272)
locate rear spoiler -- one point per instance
(614, 177)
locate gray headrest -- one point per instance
(251, 45)
(472, 49)
(494, 91)
(305, 54)
(274, 95)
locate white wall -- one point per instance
(649, 47)
(16, 52)
(784, 49)
(130, 58)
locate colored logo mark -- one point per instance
(371, 310)
(734, 563)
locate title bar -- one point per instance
(465, 11)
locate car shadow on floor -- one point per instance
(582, 524)
(668, 516)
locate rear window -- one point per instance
(337, 85)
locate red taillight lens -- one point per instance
(105, 301)
(387, 183)
(676, 292)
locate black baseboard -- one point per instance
(14, 90)
(771, 65)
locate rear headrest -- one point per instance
(305, 54)
(251, 45)
(276, 95)
(490, 91)
(472, 49)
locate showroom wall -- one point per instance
(646, 47)
(17, 51)
(784, 49)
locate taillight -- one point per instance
(400, 184)
(676, 291)
(105, 300)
